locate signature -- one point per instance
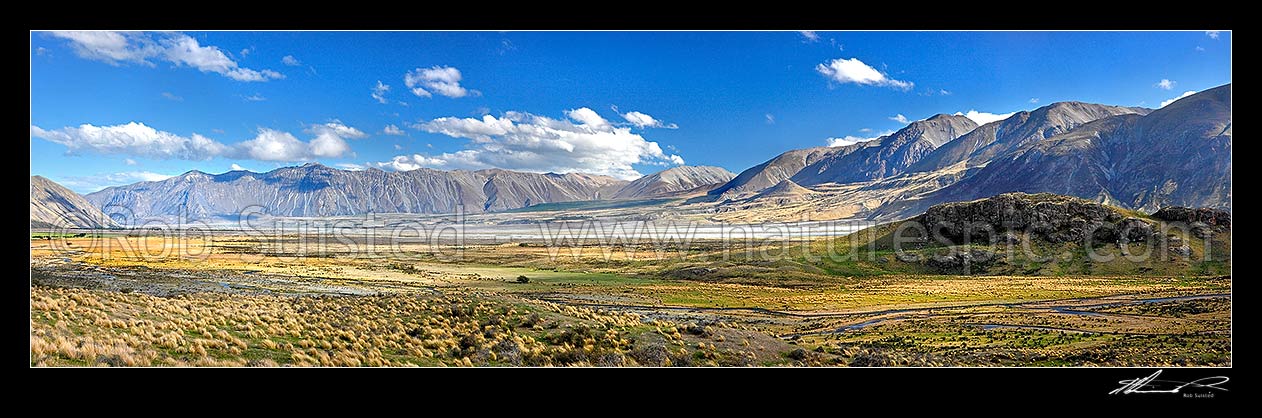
(1151, 384)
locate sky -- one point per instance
(110, 108)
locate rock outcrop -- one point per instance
(1051, 218)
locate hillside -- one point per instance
(674, 179)
(53, 205)
(775, 170)
(996, 138)
(1179, 155)
(887, 156)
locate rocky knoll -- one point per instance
(1203, 222)
(1052, 218)
(1211, 217)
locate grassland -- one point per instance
(238, 300)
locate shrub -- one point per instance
(523, 279)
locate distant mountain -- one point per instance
(999, 137)
(53, 205)
(317, 190)
(784, 192)
(775, 170)
(887, 156)
(674, 179)
(1179, 155)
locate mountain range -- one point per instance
(1144, 159)
(54, 206)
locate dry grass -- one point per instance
(77, 327)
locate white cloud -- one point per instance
(254, 98)
(1200, 49)
(1165, 84)
(330, 140)
(437, 79)
(1034, 100)
(900, 119)
(138, 140)
(172, 97)
(238, 167)
(274, 145)
(379, 92)
(588, 118)
(392, 130)
(643, 120)
(846, 140)
(351, 167)
(413, 162)
(854, 71)
(521, 141)
(1212, 34)
(851, 139)
(983, 118)
(89, 184)
(1185, 94)
(245, 52)
(944, 92)
(809, 36)
(290, 61)
(117, 48)
(771, 119)
(129, 161)
(398, 147)
(132, 139)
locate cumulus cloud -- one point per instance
(852, 70)
(398, 147)
(851, 139)
(1185, 94)
(1034, 100)
(351, 166)
(238, 167)
(588, 118)
(1165, 84)
(290, 61)
(585, 142)
(379, 92)
(273, 145)
(139, 140)
(443, 80)
(643, 120)
(144, 48)
(89, 184)
(330, 139)
(129, 161)
(1212, 34)
(392, 130)
(983, 118)
(132, 139)
(900, 119)
(846, 140)
(809, 36)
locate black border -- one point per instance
(836, 389)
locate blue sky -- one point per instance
(113, 108)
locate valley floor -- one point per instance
(238, 300)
